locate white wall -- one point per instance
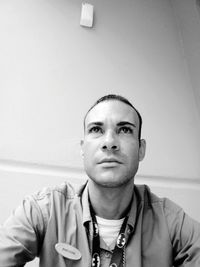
(52, 70)
(188, 20)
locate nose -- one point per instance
(110, 142)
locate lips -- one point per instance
(109, 160)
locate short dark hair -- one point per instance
(117, 98)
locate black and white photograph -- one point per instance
(99, 133)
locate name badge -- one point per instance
(68, 251)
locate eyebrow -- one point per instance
(97, 123)
(121, 123)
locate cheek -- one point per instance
(132, 152)
(88, 152)
(90, 147)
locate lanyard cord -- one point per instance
(119, 250)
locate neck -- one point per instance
(110, 203)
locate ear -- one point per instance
(81, 144)
(142, 149)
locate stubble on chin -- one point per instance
(112, 183)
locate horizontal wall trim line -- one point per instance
(78, 174)
(29, 167)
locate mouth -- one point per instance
(109, 161)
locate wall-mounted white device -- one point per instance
(87, 15)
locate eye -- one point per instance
(125, 130)
(95, 129)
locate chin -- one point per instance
(112, 183)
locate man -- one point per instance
(110, 221)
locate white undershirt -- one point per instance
(109, 229)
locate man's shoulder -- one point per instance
(49, 199)
(149, 198)
(66, 190)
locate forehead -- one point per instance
(112, 110)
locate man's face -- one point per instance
(111, 149)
